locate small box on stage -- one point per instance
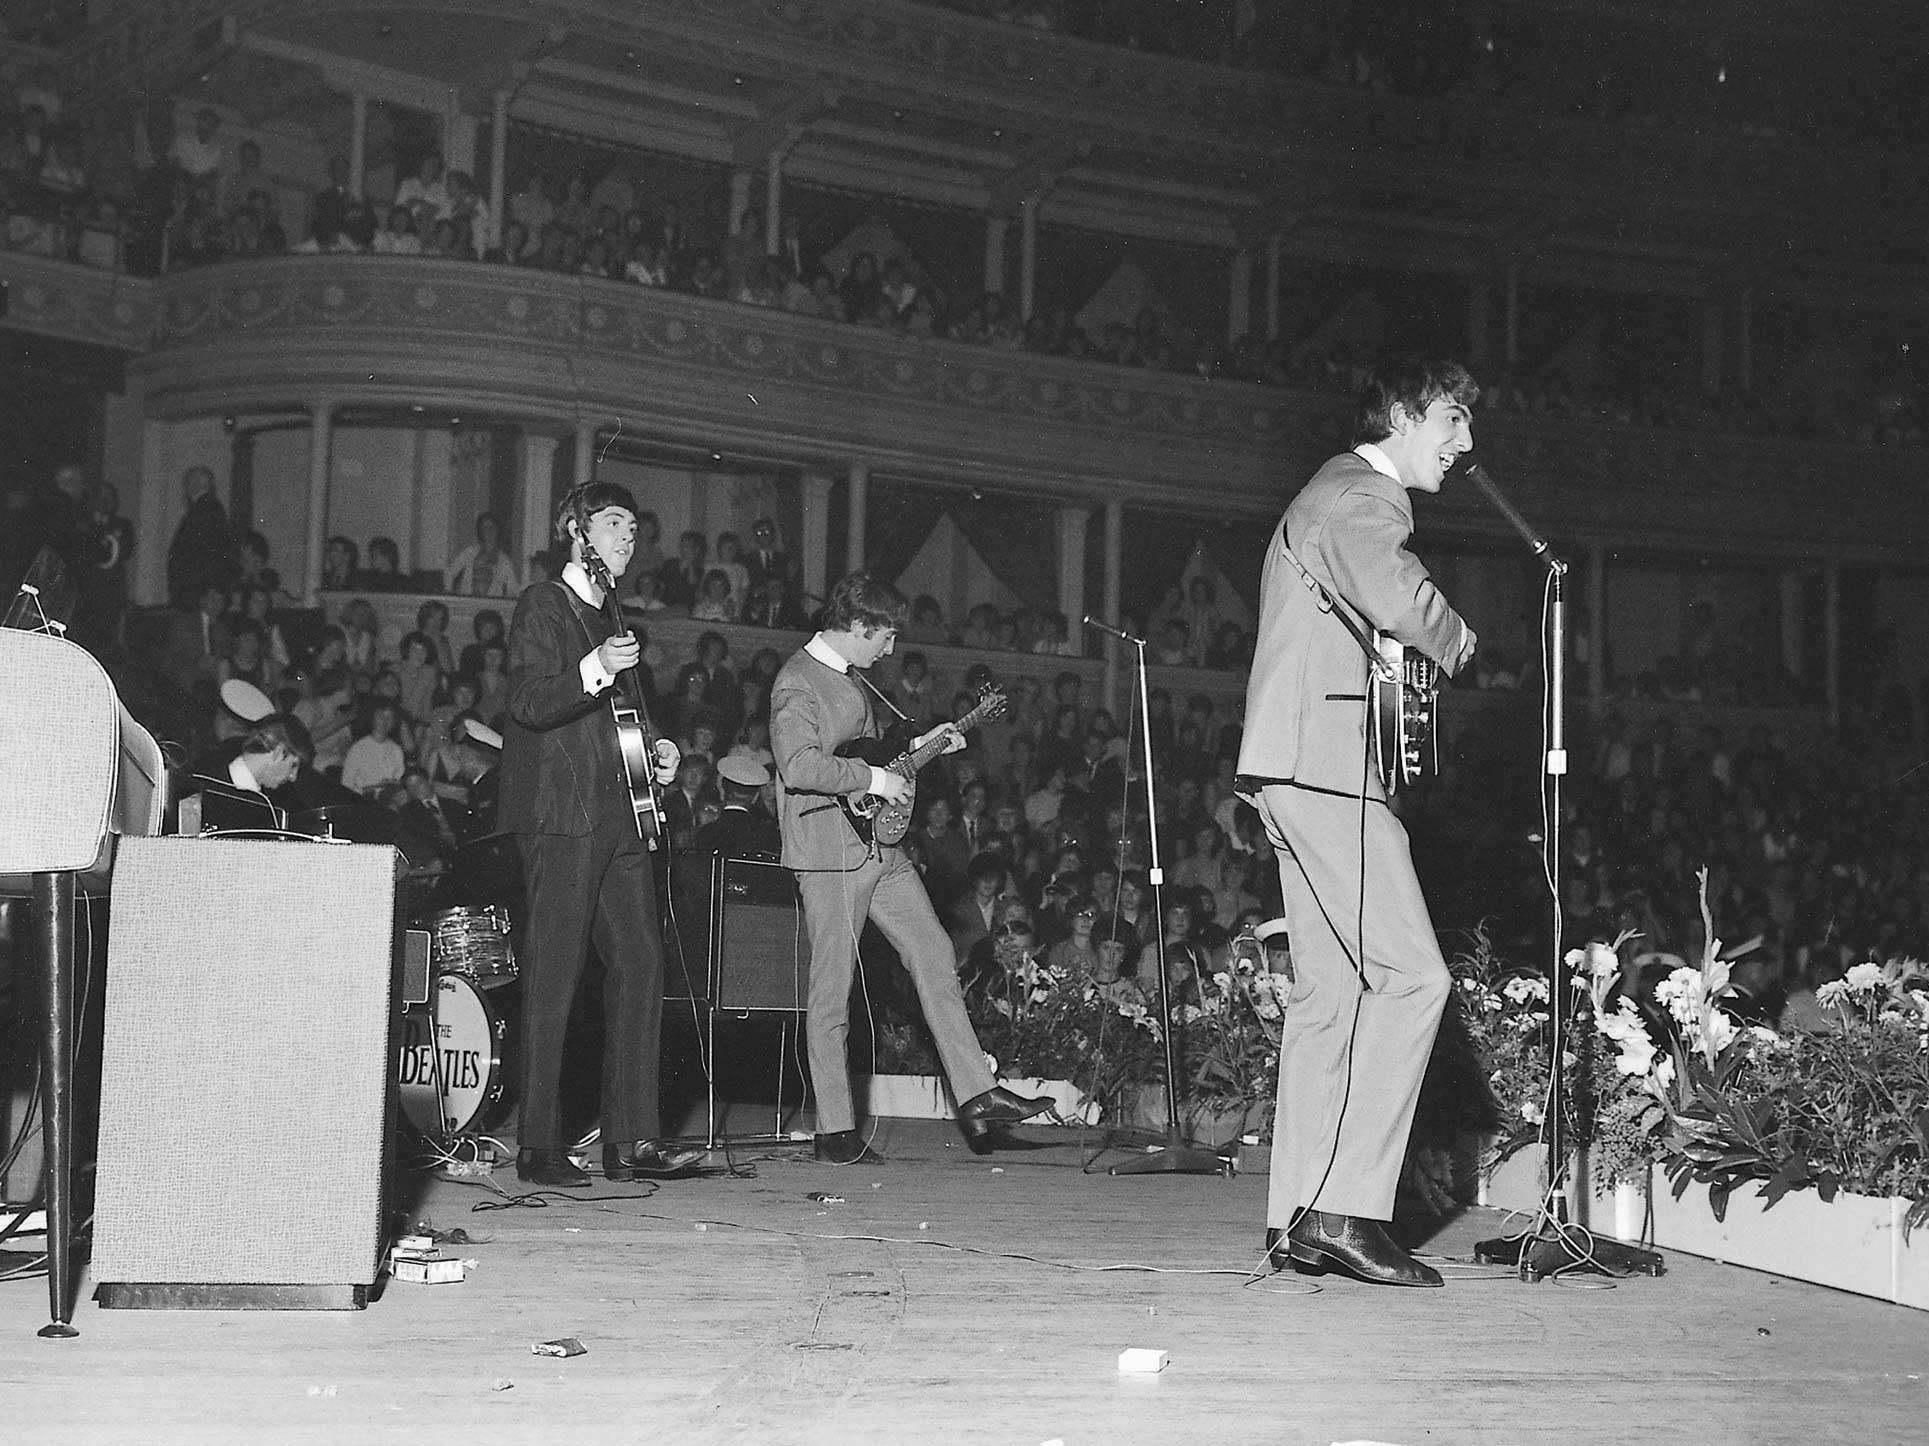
(734, 935)
(245, 1074)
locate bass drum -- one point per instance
(451, 1071)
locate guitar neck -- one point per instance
(916, 758)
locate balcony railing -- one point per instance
(550, 350)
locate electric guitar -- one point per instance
(877, 820)
(1405, 690)
(635, 738)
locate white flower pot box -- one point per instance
(1852, 1242)
(906, 1097)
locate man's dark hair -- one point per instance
(1412, 382)
(861, 601)
(280, 730)
(581, 503)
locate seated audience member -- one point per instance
(360, 639)
(714, 602)
(432, 622)
(399, 237)
(972, 914)
(428, 827)
(492, 684)
(1076, 952)
(989, 967)
(744, 829)
(384, 570)
(681, 800)
(486, 626)
(680, 580)
(375, 760)
(483, 569)
(326, 708)
(341, 560)
(420, 676)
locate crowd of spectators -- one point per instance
(83, 188)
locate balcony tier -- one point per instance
(763, 385)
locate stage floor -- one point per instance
(740, 1310)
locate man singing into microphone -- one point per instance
(585, 868)
(1371, 982)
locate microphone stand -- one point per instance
(1554, 1245)
(1173, 1155)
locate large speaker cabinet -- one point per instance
(245, 1074)
(734, 935)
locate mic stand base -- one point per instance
(1169, 1154)
(1555, 1247)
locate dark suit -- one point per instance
(814, 707)
(1343, 1121)
(201, 553)
(585, 869)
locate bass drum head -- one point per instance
(450, 1071)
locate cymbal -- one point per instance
(360, 822)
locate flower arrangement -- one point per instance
(1713, 1102)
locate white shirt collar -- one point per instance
(826, 654)
(1370, 453)
(577, 577)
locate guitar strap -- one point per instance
(1379, 665)
(870, 721)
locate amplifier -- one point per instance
(734, 935)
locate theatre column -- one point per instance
(815, 545)
(1479, 298)
(1114, 596)
(740, 181)
(585, 458)
(857, 503)
(1027, 256)
(995, 228)
(357, 142)
(1597, 555)
(538, 484)
(1272, 287)
(498, 166)
(321, 426)
(1072, 522)
(1239, 295)
(1832, 638)
(773, 199)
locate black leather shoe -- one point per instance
(649, 1160)
(550, 1167)
(1320, 1242)
(996, 1106)
(846, 1147)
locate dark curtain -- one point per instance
(1017, 539)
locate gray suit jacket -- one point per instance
(1349, 527)
(814, 708)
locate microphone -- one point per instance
(1490, 489)
(1119, 633)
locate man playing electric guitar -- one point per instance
(586, 871)
(817, 704)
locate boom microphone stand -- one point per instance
(1554, 1245)
(1174, 1156)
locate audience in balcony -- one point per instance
(483, 569)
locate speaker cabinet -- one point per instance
(245, 1074)
(762, 957)
(734, 936)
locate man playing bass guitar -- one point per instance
(586, 869)
(818, 703)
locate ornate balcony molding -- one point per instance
(552, 351)
(77, 303)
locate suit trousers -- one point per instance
(583, 889)
(887, 890)
(1351, 1058)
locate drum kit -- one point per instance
(453, 1070)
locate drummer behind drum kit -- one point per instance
(454, 1058)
